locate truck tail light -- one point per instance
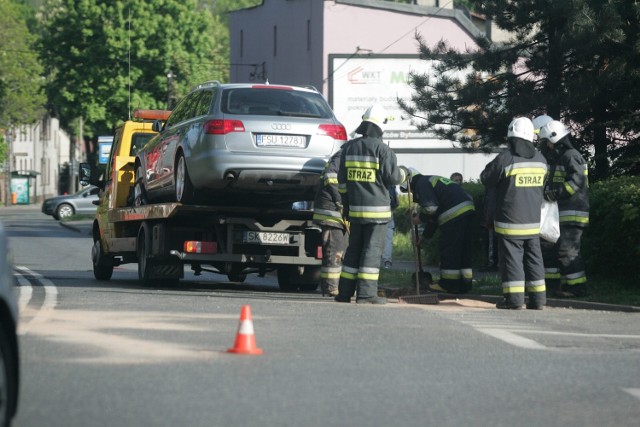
(195, 247)
(223, 127)
(334, 131)
(319, 252)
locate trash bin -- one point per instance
(14, 198)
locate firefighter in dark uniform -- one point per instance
(549, 252)
(568, 184)
(445, 204)
(367, 169)
(327, 213)
(518, 176)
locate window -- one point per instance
(275, 40)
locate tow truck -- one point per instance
(163, 238)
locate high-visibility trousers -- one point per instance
(334, 243)
(573, 274)
(522, 270)
(361, 265)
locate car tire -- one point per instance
(102, 264)
(8, 377)
(183, 187)
(139, 192)
(145, 264)
(65, 210)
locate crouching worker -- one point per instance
(327, 213)
(446, 205)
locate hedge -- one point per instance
(611, 243)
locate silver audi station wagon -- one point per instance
(240, 145)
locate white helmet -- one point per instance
(521, 127)
(377, 115)
(553, 131)
(540, 121)
(404, 186)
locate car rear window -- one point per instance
(275, 102)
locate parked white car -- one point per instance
(9, 359)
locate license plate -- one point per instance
(268, 140)
(266, 238)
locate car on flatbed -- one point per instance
(240, 145)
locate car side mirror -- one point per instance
(88, 175)
(157, 126)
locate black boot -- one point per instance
(508, 305)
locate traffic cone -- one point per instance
(245, 339)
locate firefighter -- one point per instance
(549, 252)
(444, 203)
(518, 176)
(367, 168)
(327, 213)
(568, 185)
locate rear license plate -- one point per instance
(266, 238)
(268, 140)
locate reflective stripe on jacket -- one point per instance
(328, 201)
(570, 179)
(519, 184)
(440, 197)
(367, 169)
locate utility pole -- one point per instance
(7, 170)
(170, 77)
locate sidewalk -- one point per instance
(410, 267)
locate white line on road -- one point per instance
(49, 303)
(25, 291)
(513, 339)
(635, 392)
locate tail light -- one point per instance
(196, 247)
(334, 131)
(223, 127)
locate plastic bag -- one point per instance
(549, 221)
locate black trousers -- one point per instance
(361, 265)
(572, 267)
(456, 254)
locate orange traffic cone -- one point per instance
(245, 339)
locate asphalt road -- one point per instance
(116, 353)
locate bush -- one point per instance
(611, 243)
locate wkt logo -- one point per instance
(280, 126)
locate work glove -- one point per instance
(551, 194)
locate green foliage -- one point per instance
(611, 243)
(21, 95)
(572, 60)
(105, 58)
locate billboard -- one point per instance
(355, 82)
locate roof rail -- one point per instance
(209, 83)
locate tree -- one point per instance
(105, 58)
(576, 61)
(21, 90)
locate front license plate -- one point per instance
(268, 140)
(266, 238)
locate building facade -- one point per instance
(38, 155)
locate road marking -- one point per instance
(635, 392)
(48, 305)
(513, 339)
(26, 291)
